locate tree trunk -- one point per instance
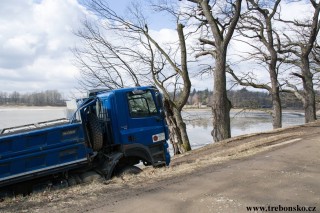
(221, 105)
(178, 132)
(275, 93)
(182, 131)
(277, 109)
(174, 136)
(310, 103)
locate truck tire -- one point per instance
(90, 176)
(128, 170)
(95, 132)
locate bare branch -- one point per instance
(245, 81)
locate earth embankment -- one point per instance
(280, 167)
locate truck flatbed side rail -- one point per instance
(34, 126)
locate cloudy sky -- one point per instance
(35, 41)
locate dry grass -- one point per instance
(213, 154)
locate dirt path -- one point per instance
(286, 176)
(278, 169)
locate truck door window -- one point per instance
(141, 105)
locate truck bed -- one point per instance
(41, 149)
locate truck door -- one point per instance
(145, 124)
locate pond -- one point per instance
(199, 122)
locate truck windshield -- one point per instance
(141, 105)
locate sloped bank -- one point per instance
(96, 194)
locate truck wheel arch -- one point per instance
(137, 151)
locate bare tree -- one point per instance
(142, 58)
(98, 55)
(256, 26)
(174, 105)
(219, 18)
(300, 41)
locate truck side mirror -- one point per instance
(159, 100)
(161, 111)
(160, 104)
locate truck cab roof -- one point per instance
(104, 91)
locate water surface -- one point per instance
(199, 122)
(17, 116)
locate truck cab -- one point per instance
(132, 123)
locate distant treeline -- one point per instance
(244, 98)
(45, 98)
(239, 98)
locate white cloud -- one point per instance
(35, 42)
(291, 10)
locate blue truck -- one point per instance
(110, 131)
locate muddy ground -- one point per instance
(188, 179)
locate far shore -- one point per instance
(28, 107)
(241, 109)
(187, 108)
